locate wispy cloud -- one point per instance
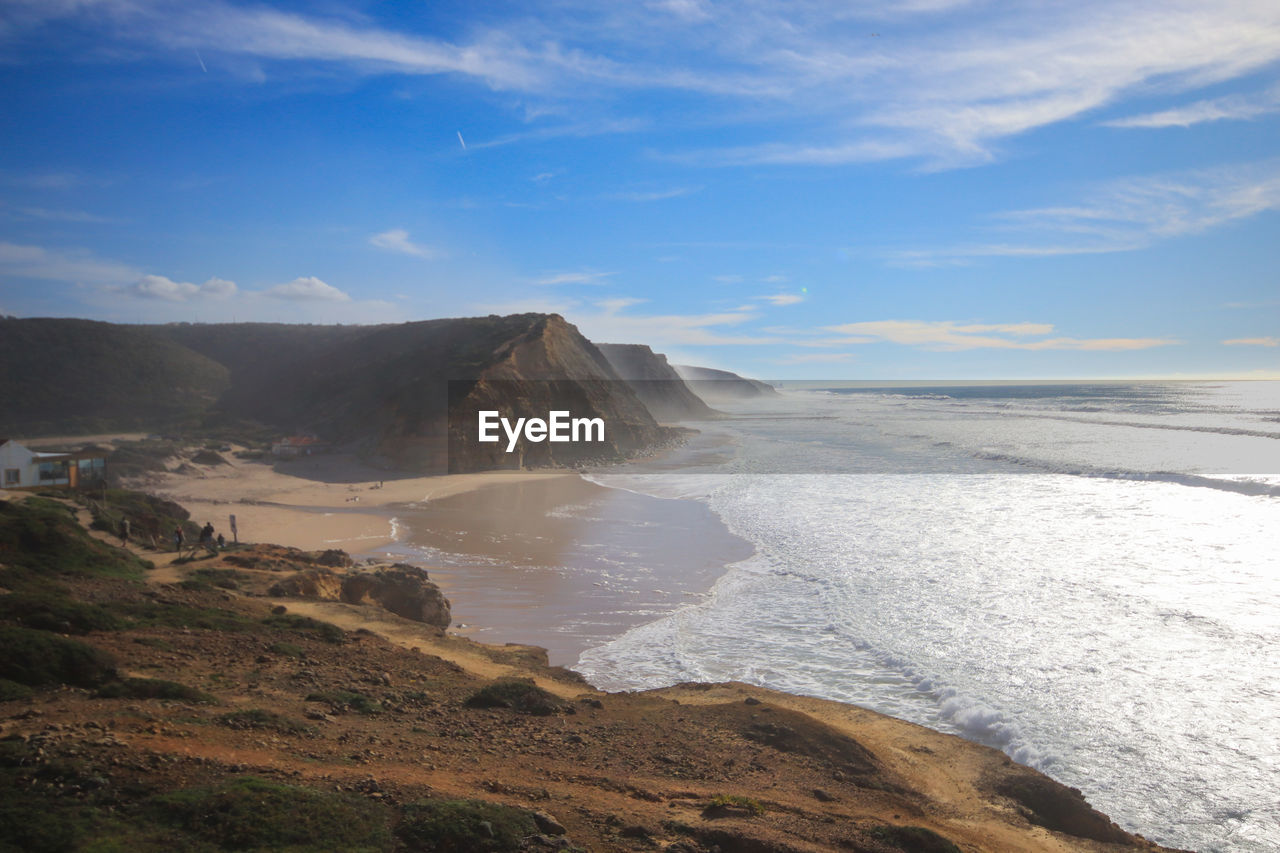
(53, 215)
(73, 266)
(574, 277)
(397, 240)
(782, 298)
(946, 88)
(949, 336)
(1227, 108)
(817, 358)
(1253, 342)
(1121, 216)
(653, 195)
(611, 321)
(307, 289)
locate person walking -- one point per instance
(124, 531)
(179, 538)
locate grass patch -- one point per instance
(210, 578)
(153, 688)
(347, 700)
(464, 826)
(724, 805)
(914, 839)
(326, 631)
(50, 609)
(291, 650)
(151, 519)
(38, 658)
(252, 814)
(149, 614)
(41, 538)
(12, 691)
(518, 694)
(256, 718)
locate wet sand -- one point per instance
(563, 563)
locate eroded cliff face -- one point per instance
(550, 367)
(720, 385)
(656, 383)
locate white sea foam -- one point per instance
(1098, 599)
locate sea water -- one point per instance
(1085, 576)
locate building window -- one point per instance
(13, 476)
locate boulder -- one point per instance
(403, 591)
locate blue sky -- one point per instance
(921, 189)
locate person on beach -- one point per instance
(206, 537)
(222, 543)
(124, 531)
(178, 538)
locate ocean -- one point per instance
(1085, 576)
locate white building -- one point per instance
(23, 468)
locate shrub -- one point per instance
(256, 718)
(12, 691)
(153, 688)
(518, 694)
(914, 839)
(291, 650)
(51, 609)
(326, 631)
(37, 658)
(41, 538)
(464, 826)
(726, 804)
(251, 814)
(343, 700)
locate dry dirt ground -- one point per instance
(378, 709)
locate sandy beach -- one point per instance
(326, 501)
(542, 557)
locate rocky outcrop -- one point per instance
(656, 383)
(718, 386)
(401, 589)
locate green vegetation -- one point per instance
(153, 688)
(52, 609)
(291, 650)
(464, 826)
(12, 691)
(347, 700)
(38, 658)
(220, 578)
(151, 519)
(326, 631)
(40, 538)
(82, 376)
(518, 694)
(729, 803)
(257, 718)
(152, 614)
(914, 839)
(252, 814)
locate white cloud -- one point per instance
(575, 277)
(611, 323)
(1227, 108)
(308, 289)
(947, 88)
(1253, 342)
(782, 298)
(397, 240)
(159, 287)
(949, 336)
(817, 358)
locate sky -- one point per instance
(921, 189)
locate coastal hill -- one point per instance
(661, 389)
(721, 385)
(383, 389)
(267, 699)
(83, 376)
